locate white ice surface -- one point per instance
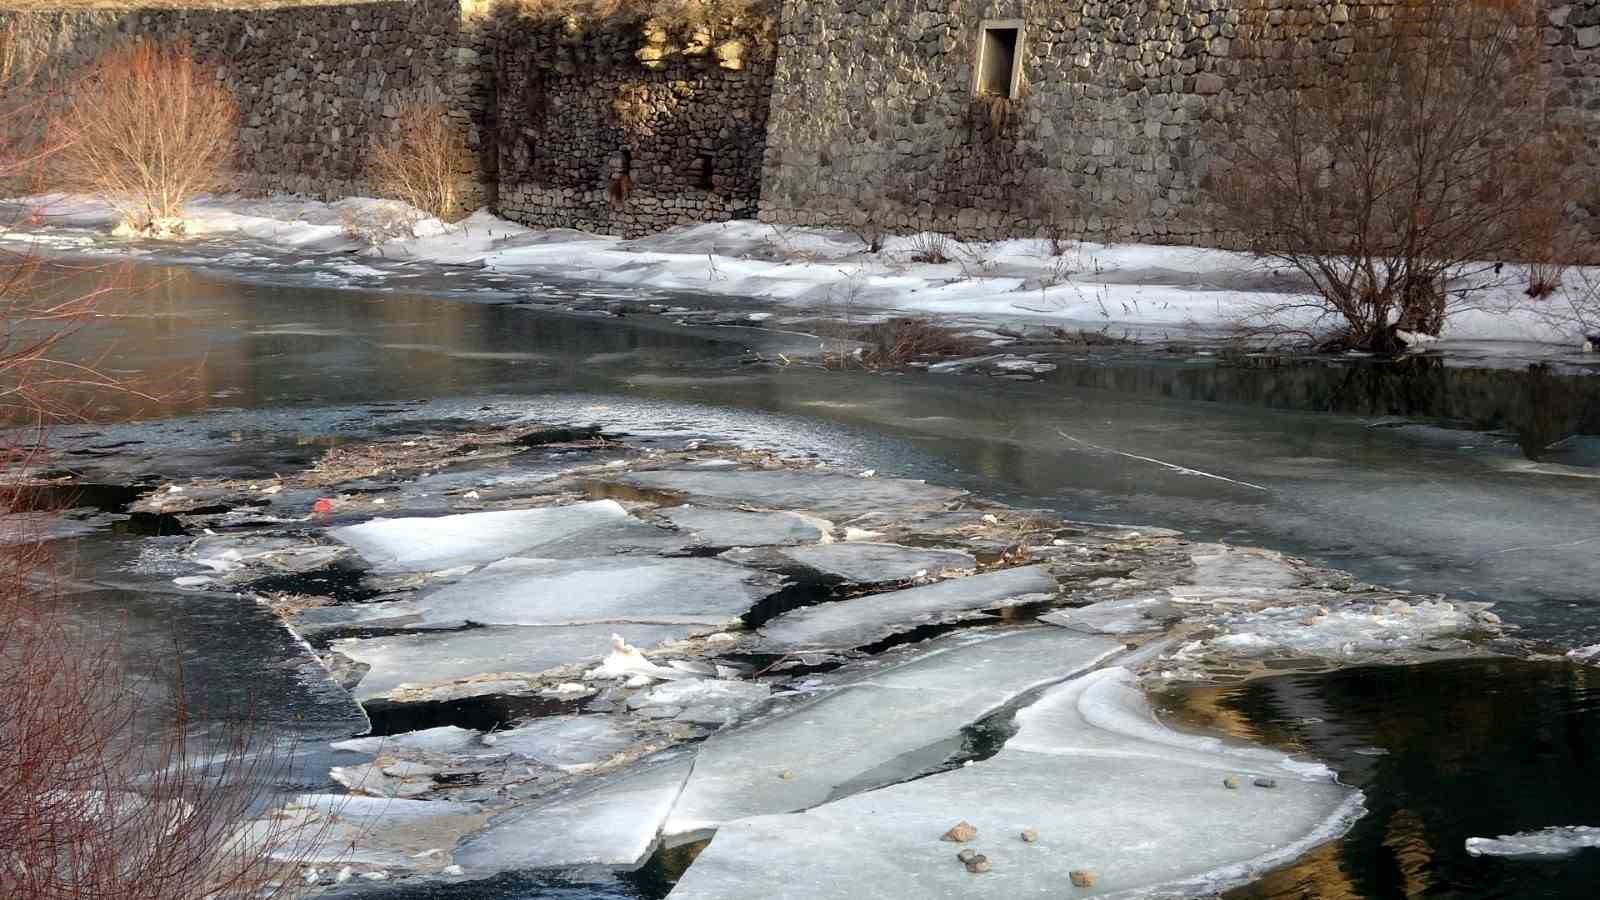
(876, 727)
(444, 739)
(704, 701)
(1108, 789)
(611, 821)
(823, 492)
(869, 563)
(651, 590)
(432, 658)
(569, 743)
(430, 544)
(369, 832)
(853, 623)
(1126, 616)
(1342, 632)
(736, 528)
(1559, 841)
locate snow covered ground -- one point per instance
(1133, 290)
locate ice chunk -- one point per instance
(651, 590)
(704, 702)
(611, 821)
(853, 623)
(426, 659)
(444, 739)
(443, 542)
(1146, 811)
(733, 528)
(1125, 616)
(568, 743)
(824, 492)
(385, 614)
(1559, 841)
(869, 563)
(1236, 574)
(227, 553)
(874, 728)
(625, 661)
(385, 832)
(1354, 630)
(1589, 655)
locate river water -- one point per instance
(1475, 478)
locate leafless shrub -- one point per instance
(681, 18)
(902, 340)
(930, 247)
(976, 258)
(1573, 310)
(380, 224)
(106, 791)
(424, 163)
(145, 129)
(1390, 175)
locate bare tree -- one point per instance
(107, 790)
(424, 163)
(146, 128)
(1396, 173)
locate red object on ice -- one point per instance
(322, 506)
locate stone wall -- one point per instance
(315, 84)
(618, 129)
(874, 115)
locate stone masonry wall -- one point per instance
(873, 113)
(614, 130)
(315, 85)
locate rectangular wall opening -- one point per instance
(999, 59)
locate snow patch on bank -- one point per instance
(1142, 291)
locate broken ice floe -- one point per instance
(494, 659)
(473, 539)
(367, 832)
(826, 493)
(568, 743)
(875, 726)
(611, 821)
(1130, 615)
(864, 562)
(854, 623)
(734, 528)
(259, 554)
(649, 590)
(1346, 630)
(1106, 788)
(1558, 841)
(702, 701)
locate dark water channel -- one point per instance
(1477, 479)
(1444, 752)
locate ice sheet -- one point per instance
(520, 591)
(863, 620)
(434, 658)
(875, 727)
(827, 493)
(735, 528)
(419, 544)
(869, 563)
(1138, 810)
(1559, 841)
(606, 822)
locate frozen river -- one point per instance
(1475, 479)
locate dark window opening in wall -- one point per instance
(702, 172)
(999, 65)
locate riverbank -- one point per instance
(1125, 291)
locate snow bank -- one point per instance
(1139, 290)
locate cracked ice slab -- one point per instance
(606, 822)
(650, 590)
(344, 829)
(735, 528)
(877, 727)
(434, 659)
(823, 492)
(568, 743)
(1108, 788)
(869, 563)
(1124, 616)
(423, 544)
(853, 623)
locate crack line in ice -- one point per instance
(1182, 470)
